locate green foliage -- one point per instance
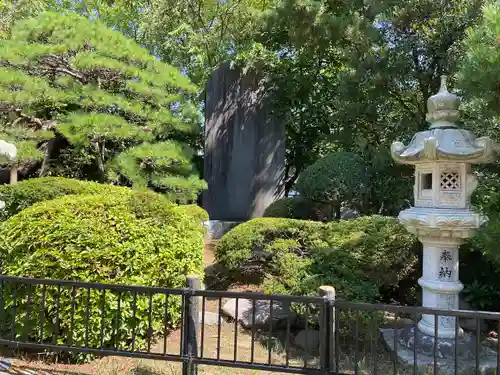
(11, 11)
(486, 197)
(210, 32)
(72, 162)
(480, 275)
(25, 193)
(167, 166)
(390, 185)
(122, 238)
(347, 77)
(478, 79)
(62, 75)
(196, 36)
(480, 255)
(353, 76)
(336, 178)
(362, 258)
(480, 69)
(295, 208)
(235, 248)
(194, 211)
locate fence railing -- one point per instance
(279, 333)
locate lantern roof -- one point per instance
(444, 141)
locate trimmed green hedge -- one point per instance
(128, 237)
(25, 193)
(295, 208)
(362, 258)
(195, 211)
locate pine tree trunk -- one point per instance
(337, 211)
(47, 157)
(98, 149)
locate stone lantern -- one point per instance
(442, 218)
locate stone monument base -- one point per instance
(406, 339)
(217, 228)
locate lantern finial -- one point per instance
(443, 87)
(443, 108)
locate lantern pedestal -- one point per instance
(441, 232)
(464, 346)
(411, 347)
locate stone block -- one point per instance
(262, 314)
(308, 340)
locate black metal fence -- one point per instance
(279, 333)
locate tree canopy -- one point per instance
(480, 68)
(354, 76)
(67, 81)
(347, 76)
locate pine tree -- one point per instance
(479, 76)
(68, 80)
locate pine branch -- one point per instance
(41, 124)
(52, 64)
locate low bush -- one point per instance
(295, 208)
(248, 242)
(128, 237)
(194, 211)
(364, 259)
(25, 193)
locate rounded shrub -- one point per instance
(336, 178)
(25, 193)
(249, 242)
(363, 258)
(295, 208)
(128, 237)
(376, 249)
(194, 211)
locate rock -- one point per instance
(491, 342)
(348, 214)
(217, 228)
(5, 363)
(309, 342)
(280, 311)
(211, 318)
(390, 321)
(463, 304)
(402, 349)
(469, 324)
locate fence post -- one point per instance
(328, 319)
(191, 323)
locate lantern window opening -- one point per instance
(426, 181)
(450, 181)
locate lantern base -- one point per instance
(415, 347)
(464, 346)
